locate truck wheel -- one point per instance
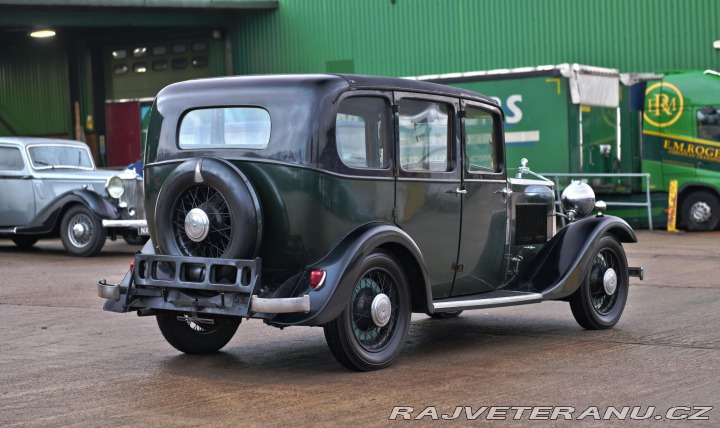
(197, 338)
(24, 241)
(600, 300)
(701, 211)
(371, 331)
(445, 315)
(208, 208)
(81, 232)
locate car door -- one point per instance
(484, 232)
(428, 193)
(17, 201)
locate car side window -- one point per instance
(424, 128)
(361, 132)
(11, 159)
(479, 141)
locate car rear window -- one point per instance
(239, 127)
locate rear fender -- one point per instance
(559, 268)
(342, 266)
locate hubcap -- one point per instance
(380, 310)
(78, 230)
(197, 224)
(700, 212)
(610, 281)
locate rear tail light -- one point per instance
(317, 278)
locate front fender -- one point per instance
(342, 267)
(559, 268)
(48, 217)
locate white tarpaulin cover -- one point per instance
(593, 86)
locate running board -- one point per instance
(491, 299)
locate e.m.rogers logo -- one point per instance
(663, 104)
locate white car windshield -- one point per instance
(55, 157)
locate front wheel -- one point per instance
(371, 331)
(134, 238)
(701, 211)
(81, 232)
(600, 300)
(196, 338)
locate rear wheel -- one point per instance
(196, 338)
(701, 211)
(600, 300)
(445, 315)
(24, 241)
(81, 232)
(371, 331)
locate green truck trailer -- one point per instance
(580, 122)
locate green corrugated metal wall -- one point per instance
(416, 37)
(29, 73)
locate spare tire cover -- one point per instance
(208, 208)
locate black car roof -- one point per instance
(351, 81)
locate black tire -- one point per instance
(445, 315)
(24, 241)
(192, 338)
(593, 307)
(81, 232)
(226, 198)
(133, 238)
(355, 339)
(700, 211)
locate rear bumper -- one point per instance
(197, 285)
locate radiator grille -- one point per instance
(133, 196)
(530, 224)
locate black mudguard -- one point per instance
(559, 268)
(47, 219)
(342, 267)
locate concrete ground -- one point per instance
(65, 362)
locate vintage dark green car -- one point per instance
(350, 202)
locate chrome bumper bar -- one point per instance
(139, 224)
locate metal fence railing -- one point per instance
(645, 176)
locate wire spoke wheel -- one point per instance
(369, 335)
(371, 331)
(219, 231)
(600, 300)
(81, 232)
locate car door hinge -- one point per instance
(395, 212)
(458, 268)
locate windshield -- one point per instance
(54, 157)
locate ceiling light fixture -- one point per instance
(42, 34)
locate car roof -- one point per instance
(26, 141)
(342, 83)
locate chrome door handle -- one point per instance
(504, 191)
(457, 191)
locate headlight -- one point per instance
(578, 199)
(115, 187)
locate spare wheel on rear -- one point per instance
(208, 208)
